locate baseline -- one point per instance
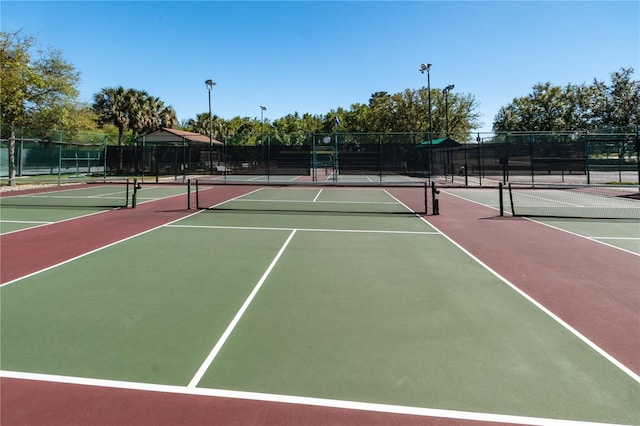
(304, 403)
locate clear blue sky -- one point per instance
(313, 57)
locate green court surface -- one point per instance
(377, 308)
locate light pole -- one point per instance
(210, 83)
(423, 68)
(445, 92)
(262, 110)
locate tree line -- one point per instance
(575, 107)
(38, 89)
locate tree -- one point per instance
(583, 107)
(112, 107)
(34, 87)
(132, 110)
(404, 112)
(624, 99)
(294, 129)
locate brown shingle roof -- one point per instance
(166, 134)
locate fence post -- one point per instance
(637, 145)
(531, 157)
(587, 154)
(501, 197)
(104, 159)
(434, 200)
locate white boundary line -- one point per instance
(453, 194)
(297, 400)
(261, 228)
(553, 316)
(216, 349)
(40, 222)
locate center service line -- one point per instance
(214, 352)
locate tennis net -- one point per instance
(316, 197)
(98, 196)
(575, 201)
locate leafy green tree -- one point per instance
(294, 129)
(356, 118)
(624, 95)
(583, 107)
(400, 112)
(34, 86)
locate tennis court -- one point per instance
(331, 298)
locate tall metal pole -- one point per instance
(445, 92)
(446, 112)
(210, 83)
(262, 110)
(423, 68)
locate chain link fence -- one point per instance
(479, 159)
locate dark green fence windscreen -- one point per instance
(499, 157)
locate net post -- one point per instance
(188, 194)
(434, 200)
(126, 199)
(501, 199)
(426, 198)
(197, 196)
(511, 200)
(134, 197)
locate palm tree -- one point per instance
(111, 105)
(168, 118)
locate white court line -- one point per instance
(551, 200)
(24, 221)
(262, 228)
(317, 196)
(616, 238)
(216, 349)
(401, 203)
(297, 400)
(255, 200)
